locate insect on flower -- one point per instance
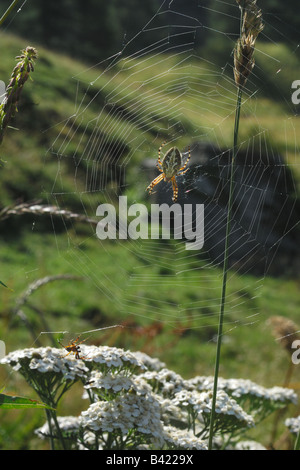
(170, 167)
(73, 347)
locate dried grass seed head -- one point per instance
(252, 25)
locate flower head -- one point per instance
(164, 381)
(46, 360)
(109, 358)
(293, 424)
(229, 414)
(101, 382)
(18, 78)
(183, 440)
(252, 25)
(129, 413)
(47, 370)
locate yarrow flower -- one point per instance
(46, 360)
(138, 415)
(202, 402)
(249, 445)
(101, 382)
(229, 415)
(151, 363)
(183, 440)
(257, 400)
(71, 431)
(134, 408)
(171, 413)
(47, 370)
(67, 424)
(105, 357)
(260, 401)
(293, 424)
(164, 381)
(51, 374)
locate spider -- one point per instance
(73, 348)
(170, 167)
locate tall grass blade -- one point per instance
(250, 26)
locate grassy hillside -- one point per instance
(167, 300)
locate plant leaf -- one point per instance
(4, 285)
(10, 402)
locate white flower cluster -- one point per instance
(151, 363)
(117, 382)
(171, 412)
(239, 387)
(249, 445)
(183, 439)
(156, 406)
(66, 423)
(293, 424)
(111, 357)
(285, 395)
(125, 413)
(168, 382)
(202, 404)
(70, 428)
(46, 360)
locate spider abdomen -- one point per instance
(171, 163)
(170, 167)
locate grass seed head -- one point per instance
(252, 25)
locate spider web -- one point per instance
(171, 90)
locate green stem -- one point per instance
(58, 430)
(225, 266)
(10, 8)
(297, 443)
(48, 414)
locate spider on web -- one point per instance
(170, 167)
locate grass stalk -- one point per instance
(8, 11)
(297, 443)
(225, 265)
(250, 26)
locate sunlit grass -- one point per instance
(119, 281)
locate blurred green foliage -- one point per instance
(95, 29)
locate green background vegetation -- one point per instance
(33, 247)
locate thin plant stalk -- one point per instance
(297, 443)
(225, 265)
(48, 414)
(250, 27)
(8, 11)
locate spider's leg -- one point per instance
(164, 143)
(80, 341)
(157, 166)
(182, 172)
(73, 341)
(175, 189)
(68, 353)
(154, 182)
(187, 160)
